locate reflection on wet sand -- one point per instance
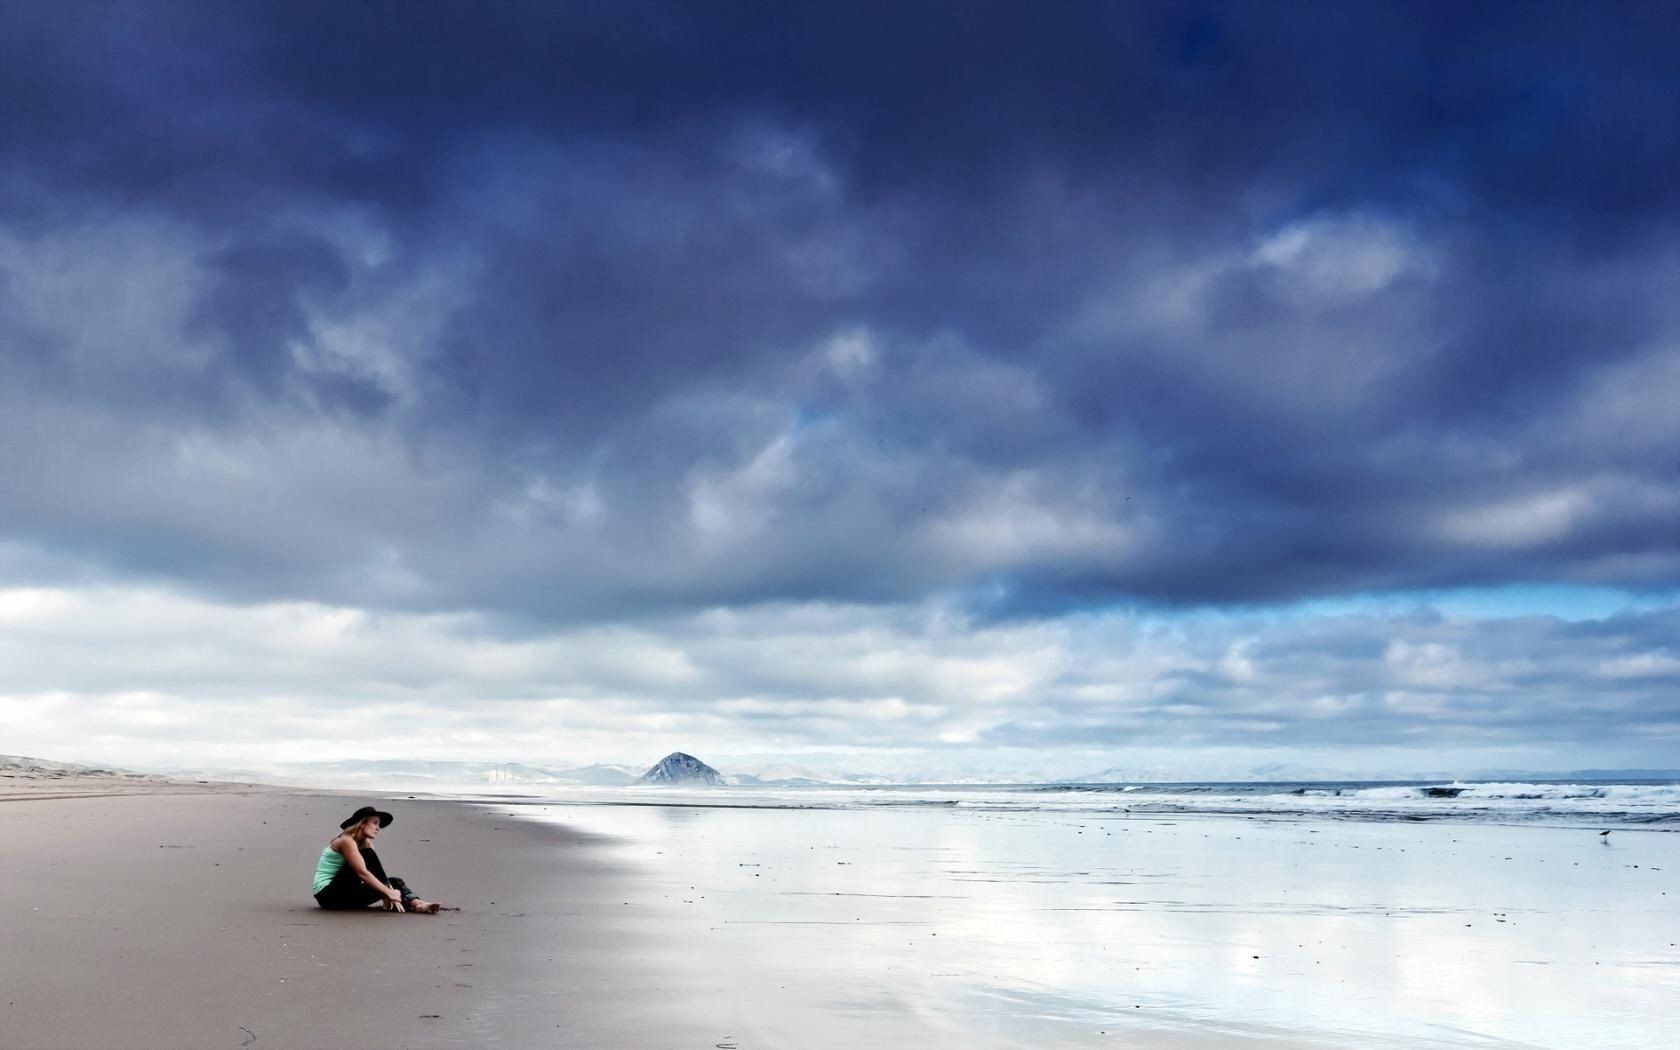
(973, 928)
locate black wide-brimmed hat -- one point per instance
(366, 812)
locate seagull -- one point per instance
(1604, 837)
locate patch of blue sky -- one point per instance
(1564, 601)
(808, 417)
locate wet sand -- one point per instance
(851, 927)
(178, 915)
(145, 914)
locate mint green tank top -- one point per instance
(331, 861)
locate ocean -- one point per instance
(1650, 804)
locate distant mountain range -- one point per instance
(420, 774)
(424, 775)
(25, 768)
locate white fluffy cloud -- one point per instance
(159, 678)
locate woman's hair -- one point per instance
(352, 829)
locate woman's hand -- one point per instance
(393, 899)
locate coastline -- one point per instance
(178, 915)
(148, 913)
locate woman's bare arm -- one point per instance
(353, 857)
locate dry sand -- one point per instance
(137, 913)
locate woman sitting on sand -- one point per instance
(349, 874)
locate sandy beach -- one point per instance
(139, 914)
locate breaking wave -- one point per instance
(1648, 803)
(1653, 805)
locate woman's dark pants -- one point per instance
(347, 890)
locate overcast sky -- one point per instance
(912, 385)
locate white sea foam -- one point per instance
(1654, 805)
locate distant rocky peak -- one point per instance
(678, 768)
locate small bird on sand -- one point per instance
(1604, 837)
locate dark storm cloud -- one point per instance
(583, 309)
(1537, 104)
